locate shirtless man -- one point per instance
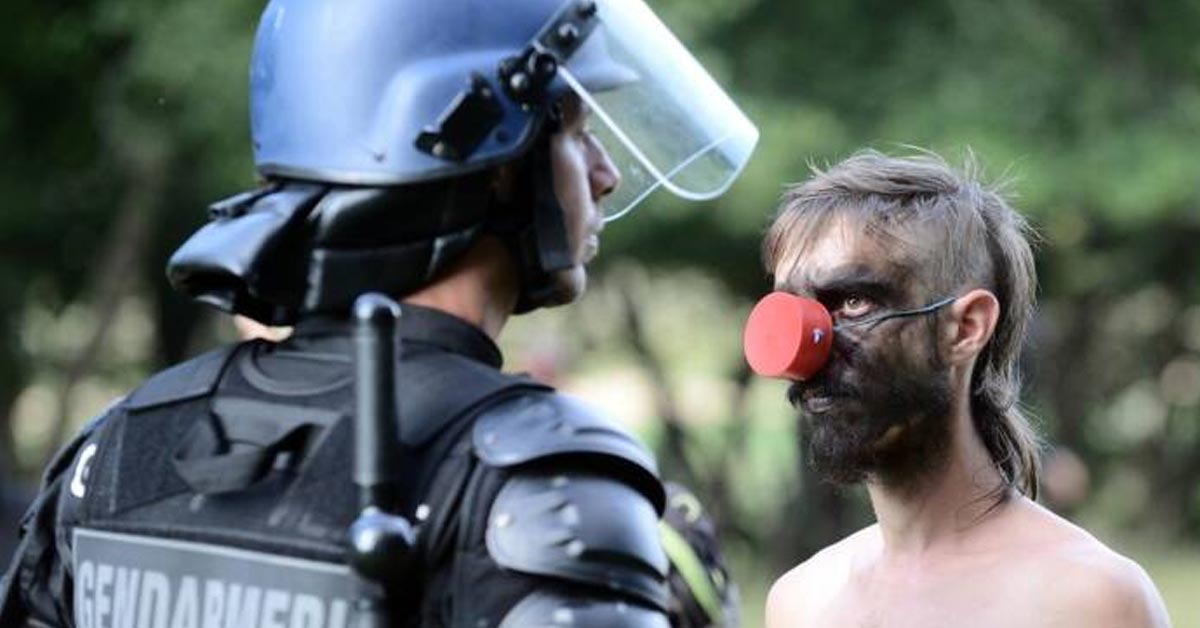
(923, 408)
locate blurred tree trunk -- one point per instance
(143, 152)
(8, 448)
(13, 495)
(817, 514)
(738, 425)
(113, 281)
(675, 461)
(183, 210)
(14, 373)
(1072, 383)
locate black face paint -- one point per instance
(876, 408)
(789, 337)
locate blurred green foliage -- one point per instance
(121, 120)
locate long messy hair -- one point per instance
(968, 236)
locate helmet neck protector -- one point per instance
(295, 246)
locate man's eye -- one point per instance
(854, 306)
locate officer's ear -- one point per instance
(970, 325)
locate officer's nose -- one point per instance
(603, 175)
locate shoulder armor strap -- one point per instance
(580, 527)
(194, 378)
(439, 385)
(528, 428)
(545, 608)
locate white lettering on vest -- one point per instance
(104, 578)
(154, 601)
(308, 611)
(214, 603)
(125, 597)
(275, 604)
(339, 613)
(187, 604)
(85, 579)
(108, 596)
(242, 608)
(83, 466)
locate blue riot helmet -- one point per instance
(403, 92)
(377, 122)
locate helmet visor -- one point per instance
(662, 118)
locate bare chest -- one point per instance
(969, 599)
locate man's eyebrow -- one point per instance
(852, 278)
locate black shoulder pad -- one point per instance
(579, 527)
(542, 425)
(543, 609)
(186, 380)
(441, 385)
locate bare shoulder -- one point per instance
(798, 594)
(1083, 582)
(1100, 588)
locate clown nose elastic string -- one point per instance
(871, 321)
(789, 337)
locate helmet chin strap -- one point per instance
(534, 230)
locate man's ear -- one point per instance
(972, 322)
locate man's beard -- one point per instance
(849, 428)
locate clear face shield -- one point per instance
(663, 120)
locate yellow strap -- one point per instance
(684, 558)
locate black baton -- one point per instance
(381, 540)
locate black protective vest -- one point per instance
(194, 494)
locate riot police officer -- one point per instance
(460, 156)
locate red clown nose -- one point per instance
(788, 336)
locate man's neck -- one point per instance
(942, 510)
(480, 288)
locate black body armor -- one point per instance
(219, 493)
